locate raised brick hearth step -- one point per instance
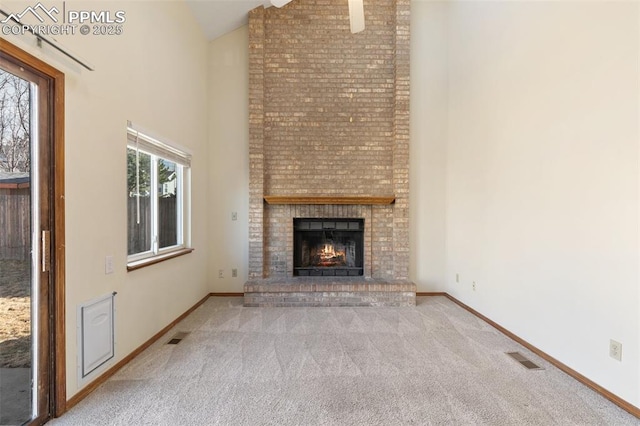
(323, 291)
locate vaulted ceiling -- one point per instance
(218, 17)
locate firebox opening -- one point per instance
(328, 247)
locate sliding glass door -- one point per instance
(26, 219)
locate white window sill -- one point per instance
(138, 264)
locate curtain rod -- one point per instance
(51, 43)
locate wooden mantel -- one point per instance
(305, 199)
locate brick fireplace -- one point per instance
(329, 139)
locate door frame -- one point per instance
(57, 348)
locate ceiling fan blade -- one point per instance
(279, 3)
(356, 15)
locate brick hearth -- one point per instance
(329, 117)
(329, 291)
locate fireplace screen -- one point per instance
(328, 247)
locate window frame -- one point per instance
(142, 142)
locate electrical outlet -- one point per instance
(234, 273)
(457, 278)
(234, 215)
(108, 265)
(220, 273)
(615, 350)
(473, 286)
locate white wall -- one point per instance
(154, 74)
(229, 160)
(429, 118)
(542, 177)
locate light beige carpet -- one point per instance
(432, 364)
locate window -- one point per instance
(157, 199)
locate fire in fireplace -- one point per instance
(328, 247)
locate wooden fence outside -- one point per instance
(15, 223)
(139, 235)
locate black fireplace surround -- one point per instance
(328, 247)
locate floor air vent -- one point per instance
(526, 363)
(177, 338)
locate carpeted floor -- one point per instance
(432, 364)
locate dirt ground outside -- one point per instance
(15, 314)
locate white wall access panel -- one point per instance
(96, 339)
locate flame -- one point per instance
(328, 256)
(328, 251)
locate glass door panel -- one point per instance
(16, 262)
